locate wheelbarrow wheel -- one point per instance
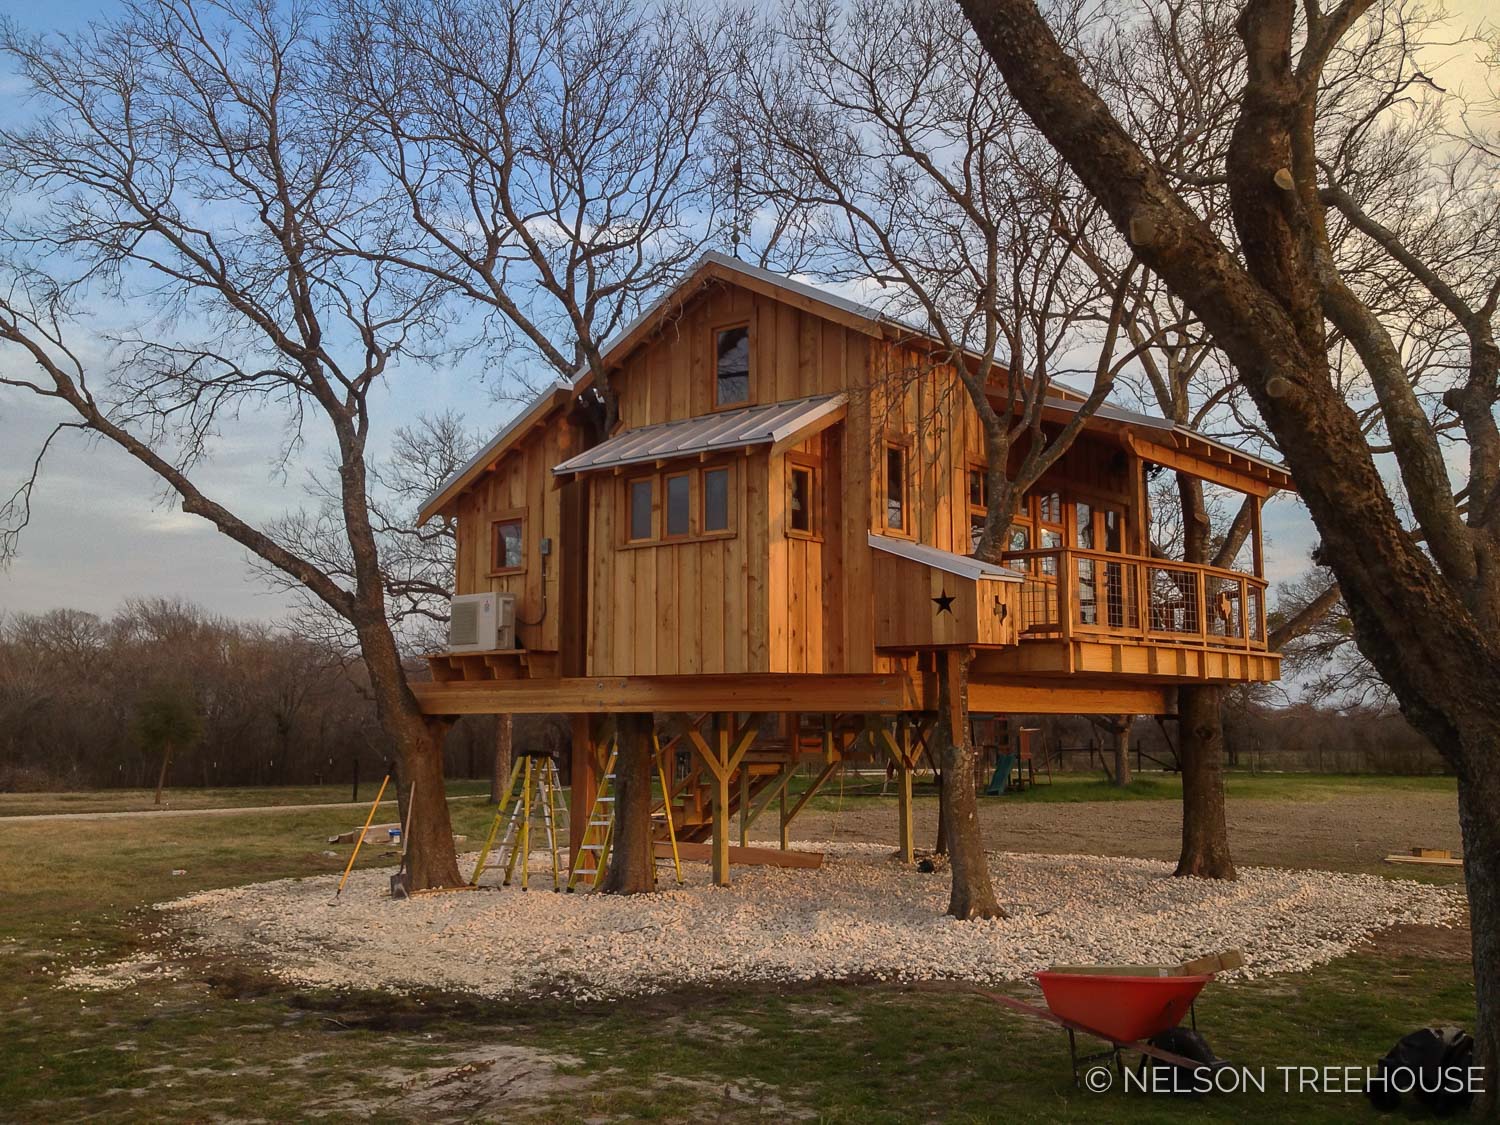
(1162, 1076)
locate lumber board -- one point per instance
(1425, 860)
(750, 857)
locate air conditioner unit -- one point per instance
(481, 622)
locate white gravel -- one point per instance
(860, 915)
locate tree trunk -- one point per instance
(1200, 753)
(1121, 730)
(1479, 817)
(430, 858)
(632, 866)
(500, 767)
(940, 845)
(161, 778)
(973, 894)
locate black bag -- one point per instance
(1432, 1065)
(1189, 1044)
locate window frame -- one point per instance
(697, 500)
(908, 509)
(497, 520)
(728, 530)
(652, 534)
(714, 332)
(667, 534)
(801, 464)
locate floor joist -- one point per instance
(772, 693)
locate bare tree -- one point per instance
(551, 163)
(1424, 613)
(187, 165)
(887, 124)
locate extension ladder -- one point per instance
(531, 792)
(598, 836)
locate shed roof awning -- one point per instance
(777, 423)
(965, 566)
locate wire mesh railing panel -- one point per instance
(1226, 607)
(1172, 599)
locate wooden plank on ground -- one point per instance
(752, 857)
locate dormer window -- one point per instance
(732, 366)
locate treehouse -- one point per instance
(781, 524)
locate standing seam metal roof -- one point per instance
(728, 429)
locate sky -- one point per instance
(102, 531)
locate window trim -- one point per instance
(728, 530)
(908, 509)
(714, 332)
(814, 530)
(629, 537)
(697, 496)
(510, 515)
(667, 535)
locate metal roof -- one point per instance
(728, 429)
(965, 566)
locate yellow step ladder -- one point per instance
(531, 792)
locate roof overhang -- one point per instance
(963, 566)
(778, 425)
(551, 398)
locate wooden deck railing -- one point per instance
(1069, 592)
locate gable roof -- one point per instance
(836, 307)
(964, 566)
(728, 429)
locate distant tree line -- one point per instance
(80, 695)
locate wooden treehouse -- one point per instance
(770, 554)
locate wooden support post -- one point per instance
(744, 806)
(784, 823)
(906, 839)
(721, 760)
(583, 778)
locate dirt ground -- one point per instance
(1353, 833)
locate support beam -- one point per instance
(583, 778)
(756, 692)
(721, 760)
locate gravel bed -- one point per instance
(861, 915)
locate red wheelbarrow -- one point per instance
(1124, 1005)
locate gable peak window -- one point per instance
(732, 366)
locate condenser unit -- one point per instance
(481, 622)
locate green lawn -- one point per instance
(1069, 787)
(142, 800)
(225, 1042)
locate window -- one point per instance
(641, 523)
(732, 366)
(679, 505)
(507, 545)
(895, 488)
(979, 504)
(715, 500)
(800, 500)
(1083, 525)
(1020, 540)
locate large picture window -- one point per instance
(732, 366)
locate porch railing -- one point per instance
(1069, 592)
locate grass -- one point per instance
(142, 800)
(224, 1042)
(1071, 787)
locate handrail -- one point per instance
(1204, 604)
